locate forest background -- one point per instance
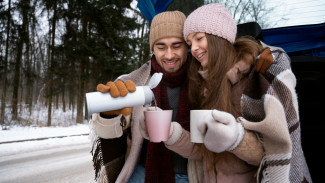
(53, 52)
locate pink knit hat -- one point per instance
(212, 19)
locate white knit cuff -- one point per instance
(175, 133)
(107, 128)
(241, 132)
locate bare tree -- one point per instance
(24, 7)
(250, 11)
(83, 60)
(4, 89)
(62, 51)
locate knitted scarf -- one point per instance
(159, 166)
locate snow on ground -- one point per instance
(22, 133)
(62, 156)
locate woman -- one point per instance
(263, 143)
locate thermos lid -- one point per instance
(155, 80)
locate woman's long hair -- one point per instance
(222, 55)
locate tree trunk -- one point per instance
(55, 104)
(142, 60)
(14, 100)
(4, 89)
(23, 30)
(63, 94)
(49, 113)
(86, 88)
(81, 83)
(21, 88)
(28, 76)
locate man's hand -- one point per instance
(117, 89)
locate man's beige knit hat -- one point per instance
(166, 24)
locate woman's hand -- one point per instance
(221, 131)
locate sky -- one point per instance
(298, 12)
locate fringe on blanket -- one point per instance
(102, 176)
(262, 173)
(107, 172)
(96, 152)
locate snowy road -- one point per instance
(63, 163)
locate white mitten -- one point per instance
(142, 123)
(221, 131)
(175, 133)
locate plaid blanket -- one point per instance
(270, 107)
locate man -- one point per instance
(143, 161)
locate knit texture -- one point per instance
(159, 167)
(212, 19)
(140, 77)
(270, 108)
(166, 24)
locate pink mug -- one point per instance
(158, 124)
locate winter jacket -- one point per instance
(237, 166)
(270, 110)
(111, 128)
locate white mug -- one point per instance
(196, 116)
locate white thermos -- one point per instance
(101, 102)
